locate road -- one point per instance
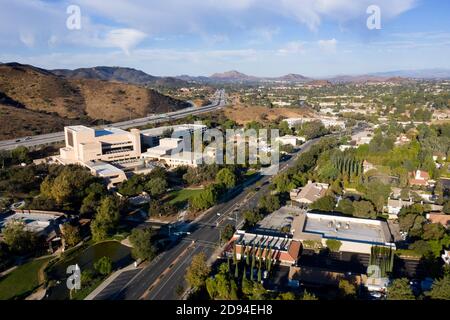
(160, 279)
(219, 101)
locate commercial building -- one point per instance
(170, 152)
(277, 248)
(354, 234)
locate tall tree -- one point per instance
(400, 289)
(198, 271)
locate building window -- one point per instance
(70, 138)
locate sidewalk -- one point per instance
(108, 281)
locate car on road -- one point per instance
(28, 138)
(18, 140)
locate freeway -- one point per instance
(219, 101)
(160, 279)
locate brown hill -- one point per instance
(39, 90)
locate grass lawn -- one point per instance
(183, 196)
(23, 280)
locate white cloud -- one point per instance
(125, 39)
(27, 38)
(293, 47)
(329, 46)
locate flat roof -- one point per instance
(109, 131)
(176, 128)
(33, 222)
(345, 228)
(278, 219)
(79, 128)
(103, 169)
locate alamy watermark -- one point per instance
(73, 21)
(74, 279)
(374, 19)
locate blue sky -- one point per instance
(199, 37)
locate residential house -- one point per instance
(419, 178)
(309, 193)
(394, 206)
(443, 219)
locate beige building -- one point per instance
(310, 193)
(101, 151)
(85, 144)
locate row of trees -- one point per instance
(400, 289)
(224, 285)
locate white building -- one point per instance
(101, 150)
(289, 139)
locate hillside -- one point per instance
(119, 74)
(31, 92)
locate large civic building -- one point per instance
(105, 152)
(114, 154)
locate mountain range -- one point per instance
(35, 100)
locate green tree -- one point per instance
(156, 186)
(308, 296)
(327, 204)
(106, 219)
(205, 199)
(198, 271)
(364, 209)
(103, 266)
(400, 289)
(347, 290)
(286, 296)
(141, 240)
(441, 289)
(226, 177)
(18, 239)
(227, 233)
(283, 183)
(334, 245)
(71, 234)
(345, 206)
(270, 203)
(433, 231)
(252, 217)
(20, 155)
(446, 208)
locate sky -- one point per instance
(316, 38)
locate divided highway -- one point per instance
(47, 139)
(160, 279)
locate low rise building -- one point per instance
(419, 178)
(309, 193)
(277, 248)
(394, 206)
(290, 140)
(443, 219)
(354, 234)
(41, 223)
